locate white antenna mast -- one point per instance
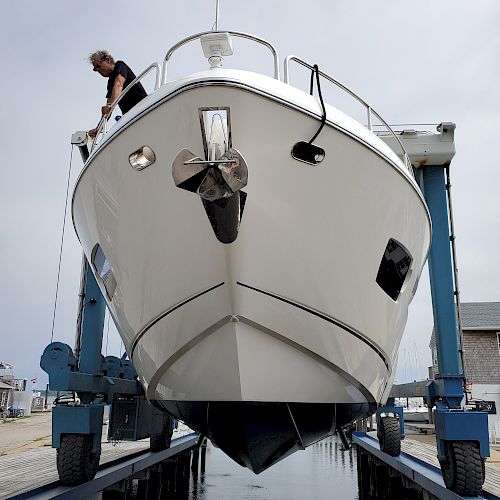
(216, 15)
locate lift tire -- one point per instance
(389, 436)
(162, 440)
(76, 462)
(463, 471)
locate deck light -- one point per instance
(142, 158)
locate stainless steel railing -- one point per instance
(232, 33)
(161, 79)
(369, 110)
(101, 127)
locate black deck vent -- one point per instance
(396, 263)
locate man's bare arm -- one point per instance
(117, 90)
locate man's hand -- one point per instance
(92, 133)
(105, 109)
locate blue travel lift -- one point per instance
(98, 381)
(461, 436)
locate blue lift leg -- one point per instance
(462, 436)
(77, 428)
(98, 381)
(94, 307)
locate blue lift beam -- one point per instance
(461, 436)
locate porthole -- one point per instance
(394, 268)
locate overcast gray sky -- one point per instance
(415, 62)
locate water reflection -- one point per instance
(321, 471)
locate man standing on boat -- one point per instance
(119, 77)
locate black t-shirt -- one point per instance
(134, 95)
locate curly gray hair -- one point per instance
(102, 55)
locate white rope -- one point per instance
(61, 248)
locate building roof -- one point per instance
(480, 315)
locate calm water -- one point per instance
(320, 472)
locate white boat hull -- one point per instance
(291, 310)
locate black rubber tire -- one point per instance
(161, 441)
(463, 472)
(389, 436)
(76, 463)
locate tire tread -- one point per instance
(463, 472)
(390, 436)
(76, 463)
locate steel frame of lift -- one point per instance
(461, 435)
(98, 381)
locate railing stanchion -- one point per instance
(369, 112)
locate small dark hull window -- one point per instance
(396, 263)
